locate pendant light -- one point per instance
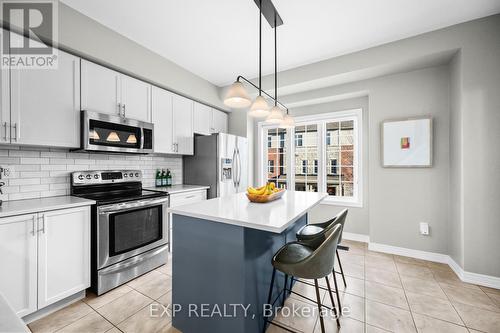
(276, 115)
(259, 108)
(237, 96)
(132, 138)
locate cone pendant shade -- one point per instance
(276, 116)
(288, 122)
(131, 139)
(237, 96)
(259, 108)
(93, 135)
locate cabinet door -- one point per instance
(100, 88)
(18, 262)
(202, 119)
(162, 119)
(4, 101)
(219, 122)
(45, 104)
(136, 98)
(63, 254)
(183, 125)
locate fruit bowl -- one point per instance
(264, 193)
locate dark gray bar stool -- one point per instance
(313, 235)
(303, 262)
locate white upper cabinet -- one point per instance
(45, 104)
(136, 98)
(63, 254)
(107, 91)
(219, 122)
(162, 116)
(202, 119)
(4, 102)
(18, 280)
(183, 125)
(100, 89)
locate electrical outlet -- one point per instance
(424, 228)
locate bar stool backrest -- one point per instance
(340, 219)
(320, 263)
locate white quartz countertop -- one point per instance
(236, 209)
(178, 188)
(29, 206)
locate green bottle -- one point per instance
(158, 178)
(163, 178)
(169, 178)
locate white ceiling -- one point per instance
(218, 40)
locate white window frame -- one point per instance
(320, 120)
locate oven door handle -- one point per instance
(133, 261)
(120, 207)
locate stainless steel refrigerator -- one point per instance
(219, 161)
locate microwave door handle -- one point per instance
(142, 139)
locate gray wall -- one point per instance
(91, 39)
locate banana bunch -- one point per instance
(267, 189)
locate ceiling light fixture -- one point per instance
(237, 96)
(113, 137)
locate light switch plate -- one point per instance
(424, 228)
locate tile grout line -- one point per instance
(408, 302)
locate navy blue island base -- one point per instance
(221, 274)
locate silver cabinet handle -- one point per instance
(15, 131)
(5, 129)
(119, 109)
(33, 225)
(190, 196)
(124, 110)
(43, 224)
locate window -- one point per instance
(276, 156)
(298, 140)
(323, 156)
(270, 166)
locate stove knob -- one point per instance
(125, 175)
(88, 176)
(137, 174)
(80, 177)
(131, 174)
(96, 176)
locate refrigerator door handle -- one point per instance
(239, 167)
(233, 168)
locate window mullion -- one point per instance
(321, 156)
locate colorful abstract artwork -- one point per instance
(405, 143)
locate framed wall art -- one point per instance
(407, 143)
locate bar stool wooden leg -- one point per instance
(337, 311)
(318, 298)
(341, 270)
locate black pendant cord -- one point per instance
(260, 48)
(275, 64)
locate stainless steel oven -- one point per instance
(111, 133)
(127, 229)
(129, 226)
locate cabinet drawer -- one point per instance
(186, 198)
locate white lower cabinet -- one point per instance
(18, 262)
(44, 257)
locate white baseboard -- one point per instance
(356, 237)
(469, 277)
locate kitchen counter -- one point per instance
(9, 321)
(236, 209)
(179, 188)
(29, 206)
(222, 256)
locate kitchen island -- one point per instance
(221, 259)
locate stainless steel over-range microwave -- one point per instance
(111, 133)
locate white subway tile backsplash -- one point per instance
(42, 172)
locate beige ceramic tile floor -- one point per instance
(384, 293)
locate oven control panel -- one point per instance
(105, 177)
